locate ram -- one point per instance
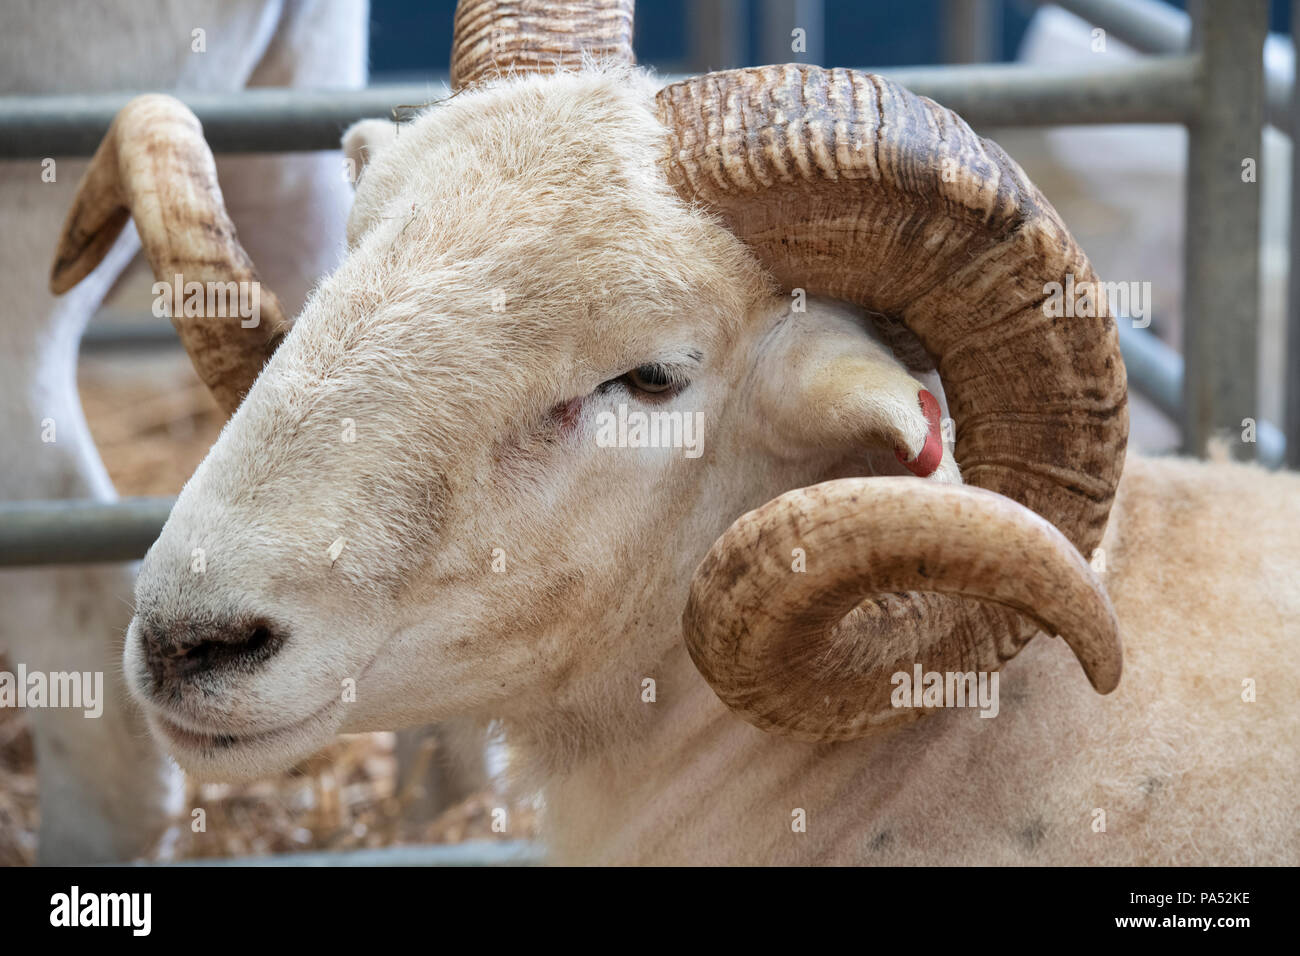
(701, 658)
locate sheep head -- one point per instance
(411, 515)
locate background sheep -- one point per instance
(106, 791)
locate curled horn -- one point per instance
(771, 642)
(496, 37)
(155, 167)
(849, 186)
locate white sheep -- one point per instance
(106, 791)
(537, 251)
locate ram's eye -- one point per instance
(651, 378)
(654, 381)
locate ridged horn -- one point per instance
(496, 37)
(770, 640)
(847, 185)
(155, 167)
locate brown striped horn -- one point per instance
(846, 185)
(155, 167)
(771, 643)
(496, 37)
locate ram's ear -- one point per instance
(826, 383)
(362, 141)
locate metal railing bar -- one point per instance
(78, 531)
(1156, 372)
(1154, 369)
(1147, 90)
(266, 120)
(1150, 26)
(471, 853)
(101, 336)
(34, 533)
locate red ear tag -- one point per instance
(924, 465)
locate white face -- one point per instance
(416, 512)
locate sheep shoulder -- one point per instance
(1190, 761)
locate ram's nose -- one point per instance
(179, 651)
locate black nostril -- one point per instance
(184, 650)
(257, 641)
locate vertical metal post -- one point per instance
(972, 31)
(1291, 366)
(1221, 281)
(778, 20)
(719, 38)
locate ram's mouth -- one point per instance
(209, 742)
(204, 740)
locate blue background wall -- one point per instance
(414, 36)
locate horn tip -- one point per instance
(63, 274)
